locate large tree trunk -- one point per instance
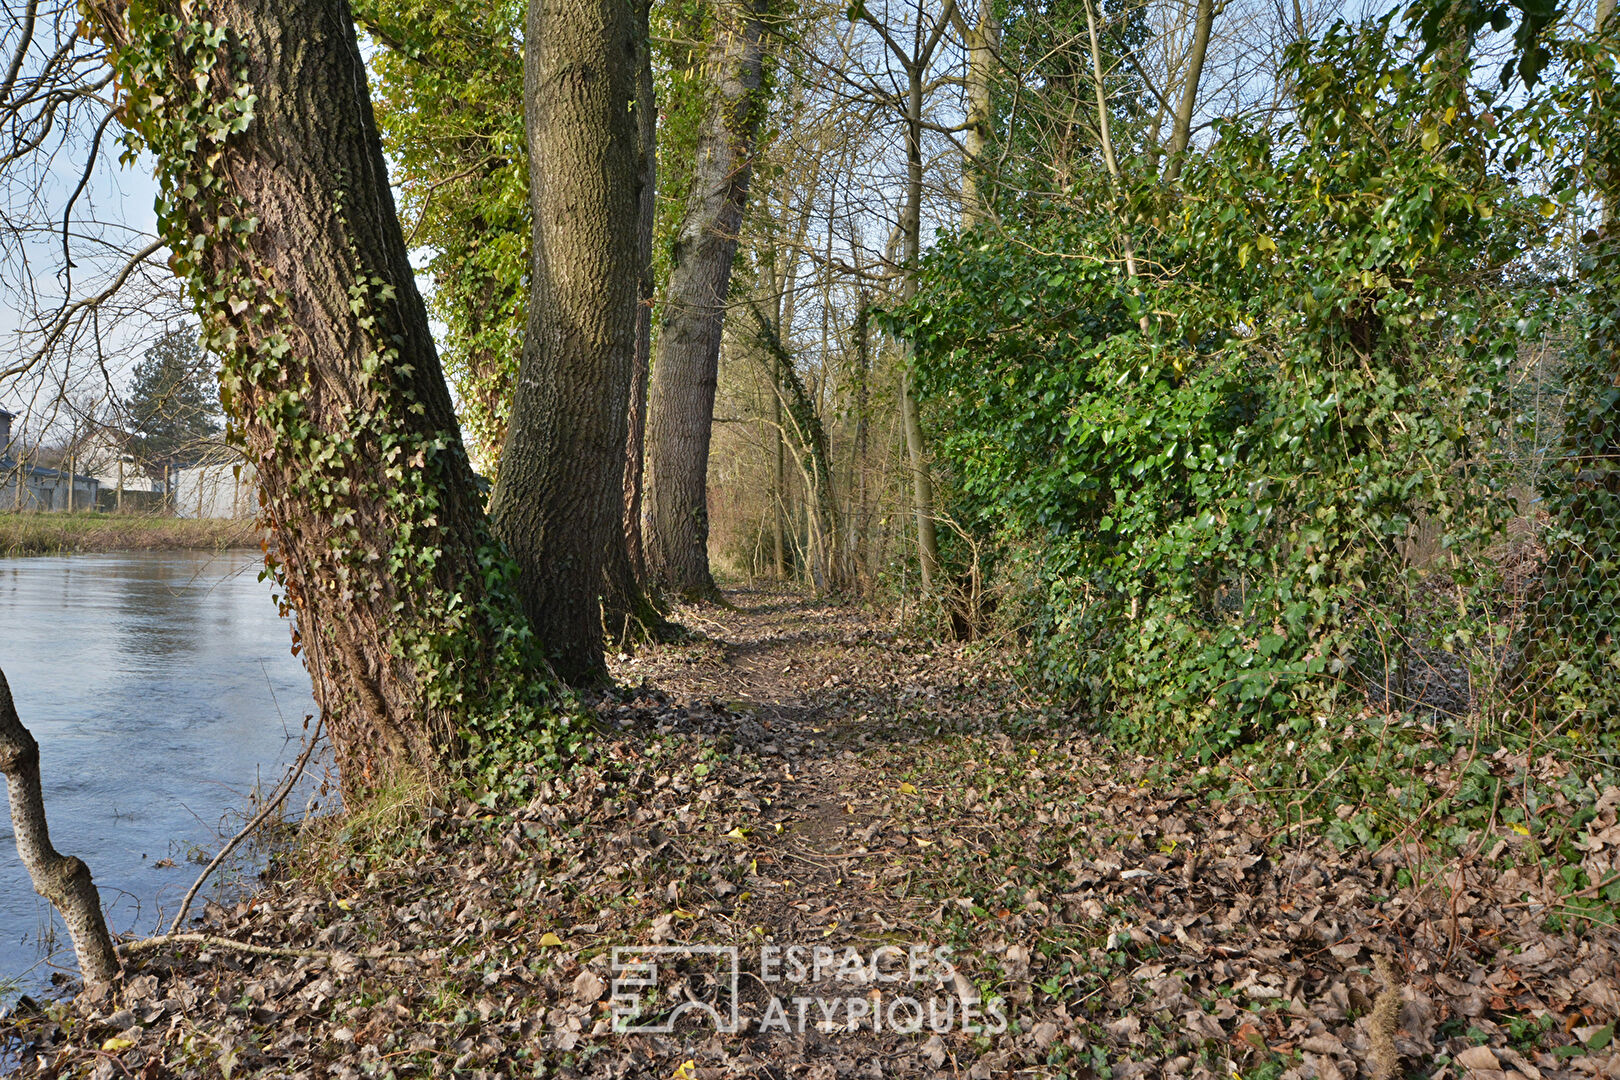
(681, 414)
(559, 502)
(628, 613)
(276, 203)
(62, 879)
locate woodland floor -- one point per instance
(804, 775)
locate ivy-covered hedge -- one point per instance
(1219, 508)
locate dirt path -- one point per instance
(803, 776)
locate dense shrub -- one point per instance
(1223, 501)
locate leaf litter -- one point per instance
(803, 774)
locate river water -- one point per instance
(162, 690)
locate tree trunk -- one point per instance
(62, 879)
(646, 227)
(922, 483)
(814, 457)
(628, 613)
(1181, 131)
(276, 202)
(681, 414)
(863, 366)
(559, 502)
(984, 48)
(778, 487)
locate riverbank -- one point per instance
(804, 777)
(62, 534)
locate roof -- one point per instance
(8, 465)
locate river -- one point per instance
(162, 690)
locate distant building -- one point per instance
(33, 487)
(126, 482)
(219, 485)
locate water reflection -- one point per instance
(161, 688)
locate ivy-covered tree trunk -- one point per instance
(681, 414)
(559, 502)
(276, 204)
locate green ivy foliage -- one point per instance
(1576, 652)
(1218, 509)
(448, 94)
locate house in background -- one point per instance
(126, 483)
(32, 487)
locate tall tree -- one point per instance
(1181, 126)
(559, 501)
(275, 202)
(629, 612)
(681, 412)
(446, 75)
(173, 399)
(983, 40)
(914, 61)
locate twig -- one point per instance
(270, 807)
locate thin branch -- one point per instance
(278, 797)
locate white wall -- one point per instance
(215, 491)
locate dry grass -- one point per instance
(48, 534)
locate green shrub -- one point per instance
(1224, 500)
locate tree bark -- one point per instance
(62, 879)
(285, 232)
(681, 414)
(646, 227)
(628, 612)
(922, 482)
(559, 502)
(984, 49)
(1181, 130)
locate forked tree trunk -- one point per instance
(62, 879)
(1181, 131)
(559, 502)
(275, 199)
(681, 414)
